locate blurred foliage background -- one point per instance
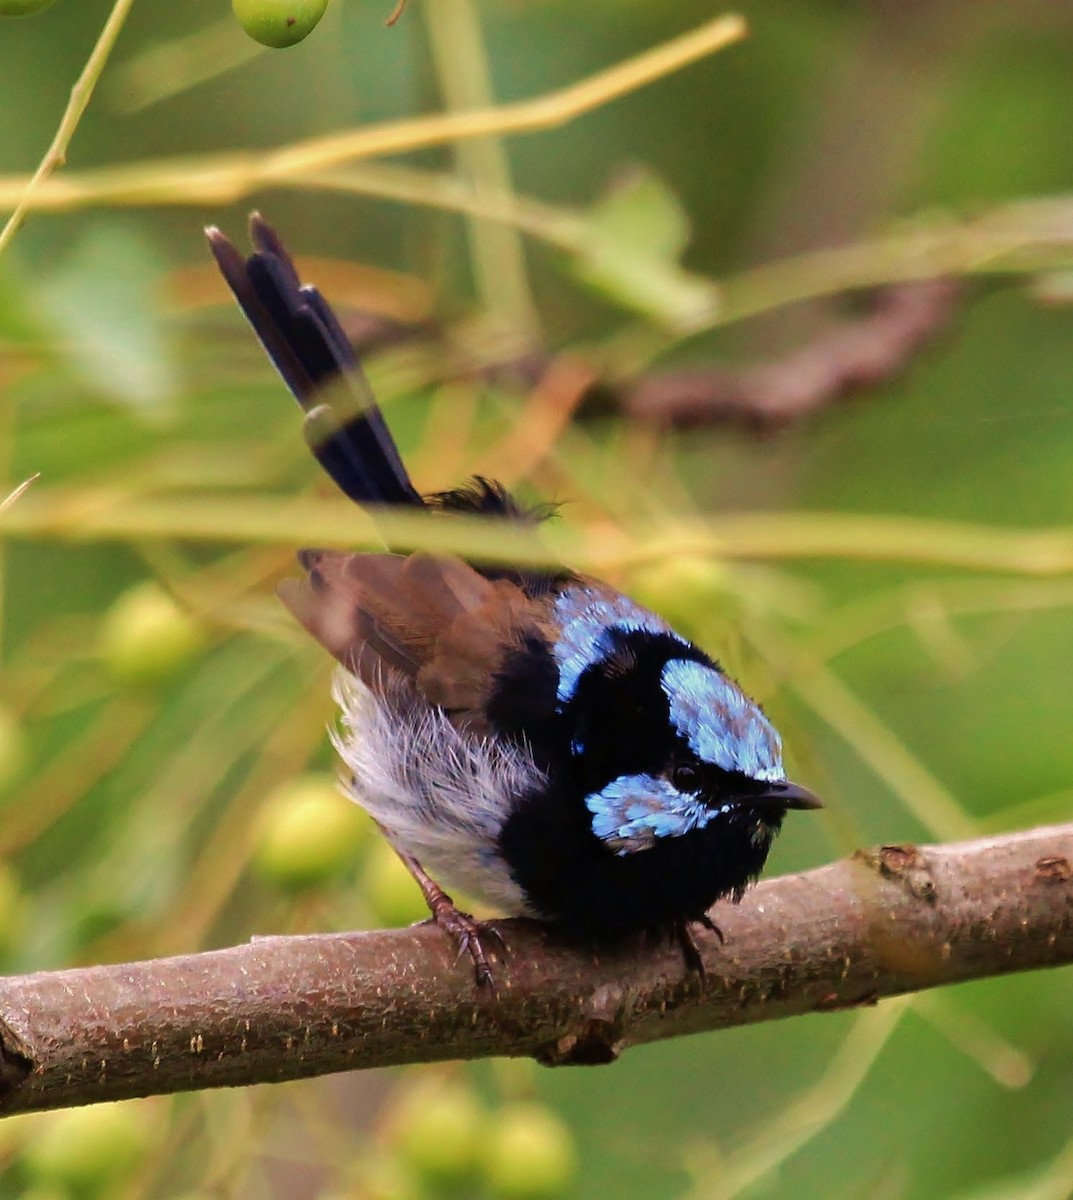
(166, 779)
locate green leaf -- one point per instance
(105, 313)
(631, 243)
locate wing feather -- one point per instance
(436, 621)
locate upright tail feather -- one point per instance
(344, 427)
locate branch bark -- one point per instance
(883, 922)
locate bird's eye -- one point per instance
(686, 777)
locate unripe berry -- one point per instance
(308, 833)
(390, 889)
(436, 1126)
(683, 589)
(529, 1153)
(278, 23)
(83, 1147)
(146, 637)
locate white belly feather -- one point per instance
(439, 795)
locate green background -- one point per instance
(136, 780)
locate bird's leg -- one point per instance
(711, 926)
(466, 931)
(687, 941)
(682, 933)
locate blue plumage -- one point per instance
(588, 621)
(719, 722)
(532, 735)
(631, 812)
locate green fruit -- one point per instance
(384, 1176)
(278, 23)
(683, 589)
(308, 833)
(529, 1153)
(146, 637)
(22, 8)
(81, 1147)
(390, 889)
(436, 1127)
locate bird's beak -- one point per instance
(785, 794)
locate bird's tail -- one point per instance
(344, 426)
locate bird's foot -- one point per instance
(683, 934)
(711, 926)
(468, 934)
(466, 931)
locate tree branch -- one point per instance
(883, 922)
(847, 356)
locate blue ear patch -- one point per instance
(719, 722)
(632, 812)
(589, 621)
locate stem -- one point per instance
(81, 93)
(496, 249)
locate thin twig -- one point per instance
(884, 922)
(227, 177)
(525, 116)
(81, 93)
(497, 253)
(13, 495)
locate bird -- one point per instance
(530, 735)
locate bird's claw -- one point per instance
(467, 933)
(711, 926)
(685, 937)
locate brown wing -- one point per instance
(436, 621)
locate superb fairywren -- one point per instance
(532, 736)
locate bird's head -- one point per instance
(666, 743)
